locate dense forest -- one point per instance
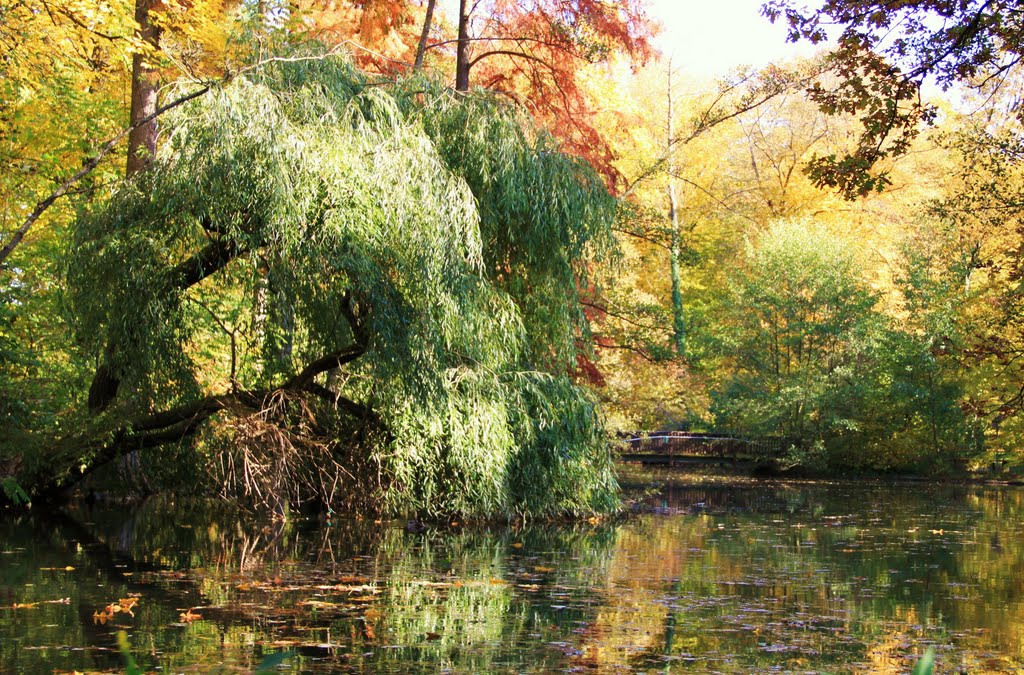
(373, 256)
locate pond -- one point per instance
(706, 576)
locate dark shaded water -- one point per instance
(707, 578)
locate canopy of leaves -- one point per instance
(801, 323)
(885, 52)
(409, 257)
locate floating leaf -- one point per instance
(189, 616)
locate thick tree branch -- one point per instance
(546, 43)
(217, 254)
(509, 52)
(622, 317)
(629, 348)
(323, 364)
(346, 404)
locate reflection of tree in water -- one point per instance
(479, 598)
(815, 577)
(353, 593)
(820, 577)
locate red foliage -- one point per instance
(587, 371)
(531, 50)
(535, 51)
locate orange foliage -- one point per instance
(537, 52)
(381, 33)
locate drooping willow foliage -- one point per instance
(363, 291)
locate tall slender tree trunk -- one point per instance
(142, 141)
(462, 55)
(676, 244)
(141, 148)
(421, 49)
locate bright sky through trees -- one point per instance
(709, 39)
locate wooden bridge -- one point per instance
(685, 447)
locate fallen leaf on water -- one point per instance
(189, 616)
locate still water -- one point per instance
(705, 577)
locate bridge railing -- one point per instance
(687, 443)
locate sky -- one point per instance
(711, 38)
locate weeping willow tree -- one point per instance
(358, 291)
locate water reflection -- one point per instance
(726, 578)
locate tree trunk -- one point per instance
(142, 141)
(462, 55)
(421, 49)
(675, 249)
(141, 150)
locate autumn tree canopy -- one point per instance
(884, 53)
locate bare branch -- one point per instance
(104, 150)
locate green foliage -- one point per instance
(542, 214)
(13, 492)
(813, 359)
(39, 371)
(920, 420)
(801, 327)
(131, 666)
(438, 235)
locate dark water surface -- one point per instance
(711, 577)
